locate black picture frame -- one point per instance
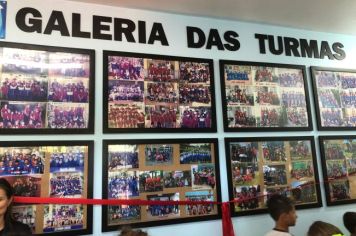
(256, 152)
(189, 189)
(341, 152)
(264, 102)
(46, 90)
(328, 86)
(155, 100)
(42, 169)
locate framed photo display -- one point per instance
(46, 90)
(260, 167)
(154, 93)
(264, 96)
(338, 155)
(61, 169)
(334, 95)
(160, 170)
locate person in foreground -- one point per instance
(282, 211)
(350, 222)
(9, 226)
(320, 228)
(128, 231)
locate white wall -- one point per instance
(175, 26)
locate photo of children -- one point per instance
(203, 176)
(66, 184)
(300, 150)
(177, 179)
(151, 181)
(25, 185)
(158, 154)
(125, 68)
(199, 209)
(247, 197)
(163, 211)
(195, 153)
(122, 157)
(69, 65)
(123, 213)
(274, 175)
(274, 151)
(126, 115)
(67, 159)
(123, 184)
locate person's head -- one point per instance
(320, 228)
(282, 210)
(127, 231)
(350, 222)
(6, 196)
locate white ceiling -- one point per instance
(334, 16)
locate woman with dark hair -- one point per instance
(128, 231)
(320, 228)
(8, 226)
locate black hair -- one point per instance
(5, 185)
(278, 204)
(350, 221)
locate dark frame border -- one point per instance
(222, 63)
(325, 173)
(106, 128)
(90, 145)
(106, 143)
(228, 141)
(313, 69)
(91, 103)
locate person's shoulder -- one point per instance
(21, 227)
(277, 233)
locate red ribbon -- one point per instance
(227, 226)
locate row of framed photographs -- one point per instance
(50, 90)
(173, 170)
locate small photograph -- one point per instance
(68, 115)
(267, 96)
(348, 98)
(151, 181)
(300, 150)
(69, 90)
(16, 87)
(336, 169)
(126, 115)
(194, 153)
(125, 68)
(331, 117)
(349, 115)
(265, 74)
(125, 91)
(291, 78)
(303, 191)
(297, 117)
(194, 117)
(348, 80)
(67, 158)
(25, 185)
(272, 117)
(122, 213)
(69, 65)
(66, 184)
(160, 70)
(339, 190)
(158, 154)
(123, 184)
(161, 93)
(329, 98)
(270, 191)
(22, 61)
(122, 157)
(161, 116)
(177, 179)
(244, 173)
(274, 151)
(240, 95)
(302, 170)
(194, 94)
(327, 79)
(199, 209)
(25, 214)
(194, 72)
(21, 160)
(62, 217)
(351, 165)
(247, 197)
(274, 175)
(203, 176)
(293, 98)
(334, 150)
(163, 211)
(237, 74)
(244, 152)
(22, 115)
(241, 116)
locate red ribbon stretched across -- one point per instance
(227, 225)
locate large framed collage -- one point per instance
(335, 99)
(154, 93)
(264, 96)
(46, 90)
(60, 169)
(259, 167)
(338, 155)
(160, 170)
